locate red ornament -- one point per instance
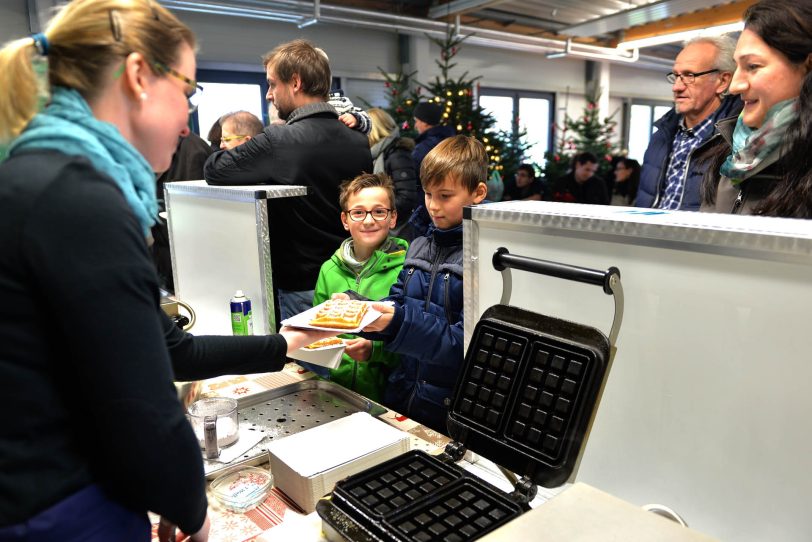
(394, 92)
(405, 126)
(399, 110)
(557, 158)
(387, 84)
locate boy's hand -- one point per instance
(297, 338)
(348, 119)
(387, 312)
(358, 349)
(340, 295)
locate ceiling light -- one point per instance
(681, 36)
(569, 51)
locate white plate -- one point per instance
(326, 356)
(302, 320)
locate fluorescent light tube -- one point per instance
(681, 36)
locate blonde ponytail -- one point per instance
(23, 87)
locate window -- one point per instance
(517, 111)
(642, 116)
(224, 92)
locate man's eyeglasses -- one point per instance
(687, 78)
(226, 139)
(196, 94)
(359, 215)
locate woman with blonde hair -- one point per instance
(94, 435)
(392, 154)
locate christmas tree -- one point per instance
(456, 97)
(587, 133)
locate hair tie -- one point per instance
(41, 43)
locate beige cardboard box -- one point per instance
(307, 465)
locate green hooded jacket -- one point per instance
(380, 272)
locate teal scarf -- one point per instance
(67, 125)
(751, 147)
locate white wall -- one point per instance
(241, 41)
(13, 20)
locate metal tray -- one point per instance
(288, 410)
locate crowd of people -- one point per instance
(98, 103)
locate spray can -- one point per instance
(241, 319)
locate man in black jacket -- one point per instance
(310, 149)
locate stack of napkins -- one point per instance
(307, 465)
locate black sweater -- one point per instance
(313, 149)
(87, 357)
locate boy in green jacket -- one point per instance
(368, 263)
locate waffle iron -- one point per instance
(525, 398)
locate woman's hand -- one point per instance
(167, 532)
(297, 338)
(358, 349)
(387, 312)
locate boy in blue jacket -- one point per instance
(425, 324)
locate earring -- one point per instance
(143, 96)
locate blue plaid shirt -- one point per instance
(685, 141)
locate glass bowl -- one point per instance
(242, 490)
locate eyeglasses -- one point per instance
(195, 96)
(687, 78)
(359, 215)
(226, 139)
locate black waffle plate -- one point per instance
(527, 391)
(416, 497)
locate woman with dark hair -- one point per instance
(767, 169)
(627, 179)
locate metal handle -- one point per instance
(608, 280)
(192, 316)
(503, 259)
(666, 512)
(210, 437)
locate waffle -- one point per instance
(340, 314)
(324, 342)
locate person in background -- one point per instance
(367, 263)
(187, 165)
(311, 149)
(354, 117)
(215, 135)
(627, 179)
(524, 185)
(425, 324)
(98, 436)
(676, 158)
(427, 118)
(765, 167)
(238, 128)
(392, 154)
(581, 185)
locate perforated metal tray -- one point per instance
(288, 410)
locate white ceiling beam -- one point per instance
(458, 7)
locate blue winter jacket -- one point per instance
(426, 141)
(426, 329)
(658, 154)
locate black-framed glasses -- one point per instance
(195, 96)
(359, 215)
(687, 78)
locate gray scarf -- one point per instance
(378, 148)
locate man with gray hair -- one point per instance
(673, 166)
